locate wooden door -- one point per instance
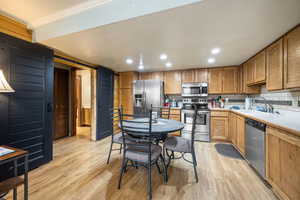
(172, 80)
(240, 124)
(61, 103)
(158, 75)
(248, 89)
(260, 68)
(241, 80)
(250, 68)
(187, 76)
(78, 93)
(292, 59)
(219, 128)
(232, 129)
(230, 80)
(201, 75)
(116, 92)
(215, 85)
(274, 57)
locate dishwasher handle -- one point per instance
(256, 124)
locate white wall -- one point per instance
(86, 87)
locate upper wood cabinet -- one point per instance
(201, 75)
(158, 75)
(260, 67)
(215, 80)
(249, 70)
(282, 163)
(145, 76)
(230, 80)
(274, 58)
(126, 79)
(188, 76)
(248, 89)
(292, 59)
(172, 82)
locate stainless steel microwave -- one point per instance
(194, 90)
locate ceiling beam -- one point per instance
(102, 14)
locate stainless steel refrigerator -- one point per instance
(147, 93)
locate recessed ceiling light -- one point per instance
(211, 60)
(129, 61)
(141, 67)
(168, 64)
(163, 56)
(215, 51)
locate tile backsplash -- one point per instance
(288, 99)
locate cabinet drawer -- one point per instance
(219, 114)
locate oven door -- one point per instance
(202, 123)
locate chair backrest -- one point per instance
(115, 116)
(136, 130)
(195, 117)
(163, 112)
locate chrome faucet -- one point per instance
(268, 107)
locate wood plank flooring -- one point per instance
(79, 172)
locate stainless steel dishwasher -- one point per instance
(255, 145)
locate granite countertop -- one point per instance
(286, 120)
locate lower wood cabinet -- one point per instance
(240, 134)
(283, 163)
(232, 128)
(219, 126)
(175, 114)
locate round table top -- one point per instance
(161, 126)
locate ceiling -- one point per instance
(186, 34)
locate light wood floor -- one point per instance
(79, 172)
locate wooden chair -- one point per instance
(183, 146)
(139, 146)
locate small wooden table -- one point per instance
(14, 182)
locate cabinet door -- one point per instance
(292, 59)
(187, 76)
(260, 68)
(126, 100)
(248, 89)
(240, 124)
(274, 57)
(126, 79)
(232, 129)
(201, 75)
(219, 128)
(272, 157)
(145, 76)
(230, 80)
(215, 81)
(175, 114)
(158, 75)
(172, 81)
(250, 65)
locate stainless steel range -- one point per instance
(203, 121)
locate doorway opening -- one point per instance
(83, 103)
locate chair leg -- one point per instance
(122, 172)
(195, 166)
(121, 148)
(165, 169)
(158, 168)
(111, 145)
(149, 182)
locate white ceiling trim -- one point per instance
(79, 8)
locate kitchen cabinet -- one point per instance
(292, 59)
(230, 80)
(158, 75)
(240, 134)
(248, 89)
(126, 100)
(249, 69)
(274, 59)
(187, 76)
(219, 125)
(282, 163)
(126, 79)
(145, 76)
(232, 128)
(201, 75)
(172, 82)
(260, 68)
(215, 85)
(175, 114)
